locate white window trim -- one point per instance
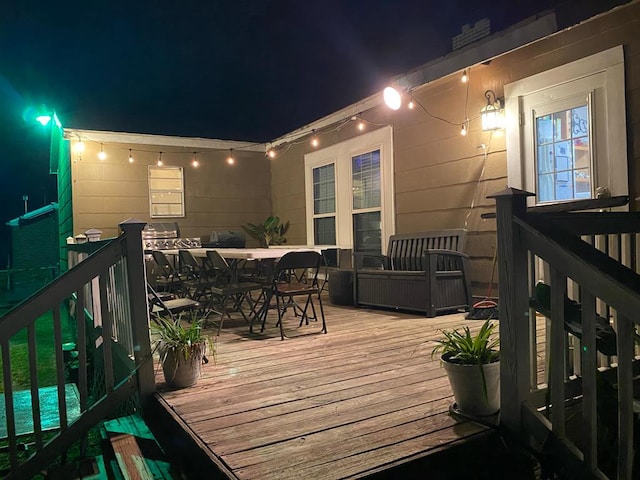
(610, 138)
(151, 214)
(340, 154)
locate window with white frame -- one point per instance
(349, 189)
(566, 135)
(166, 191)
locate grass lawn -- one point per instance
(45, 351)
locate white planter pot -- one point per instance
(468, 387)
(180, 372)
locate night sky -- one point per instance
(243, 70)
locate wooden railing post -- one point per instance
(515, 343)
(139, 311)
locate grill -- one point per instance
(164, 236)
(228, 239)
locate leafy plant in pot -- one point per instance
(472, 363)
(270, 232)
(182, 349)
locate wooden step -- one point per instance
(135, 455)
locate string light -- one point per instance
(271, 153)
(101, 154)
(361, 124)
(79, 147)
(463, 130)
(194, 162)
(314, 139)
(230, 159)
(411, 104)
(159, 159)
(465, 77)
(130, 156)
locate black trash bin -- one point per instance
(341, 287)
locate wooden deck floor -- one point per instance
(363, 398)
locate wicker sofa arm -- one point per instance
(369, 261)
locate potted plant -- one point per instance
(472, 363)
(270, 232)
(183, 350)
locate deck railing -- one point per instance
(101, 302)
(565, 396)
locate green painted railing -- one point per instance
(75, 352)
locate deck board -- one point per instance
(363, 397)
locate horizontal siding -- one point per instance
(218, 196)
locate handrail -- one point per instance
(526, 237)
(112, 280)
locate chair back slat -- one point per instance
(406, 251)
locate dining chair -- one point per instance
(197, 284)
(169, 280)
(161, 305)
(227, 293)
(288, 285)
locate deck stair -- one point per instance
(131, 452)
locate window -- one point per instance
(324, 205)
(365, 172)
(563, 153)
(566, 135)
(166, 192)
(350, 192)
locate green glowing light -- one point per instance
(43, 120)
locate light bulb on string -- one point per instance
(411, 105)
(465, 77)
(314, 139)
(463, 129)
(361, 124)
(101, 154)
(271, 153)
(130, 156)
(230, 159)
(79, 147)
(194, 162)
(159, 159)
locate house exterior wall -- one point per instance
(440, 175)
(218, 196)
(65, 210)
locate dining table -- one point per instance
(247, 253)
(235, 256)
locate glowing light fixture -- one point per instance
(463, 129)
(392, 98)
(465, 77)
(194, 162)
(361, 123)
(230, 159)
(79, 147)
(491, 113)
(411, 104)
(43, 119)
(130, 156)
(101, 154)
(314, 139)
(159, 159)
(271, 153)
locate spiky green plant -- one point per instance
(187, 342)
(466, 349)
(271, 232)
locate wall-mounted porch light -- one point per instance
(491, 113)
(392, 98)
